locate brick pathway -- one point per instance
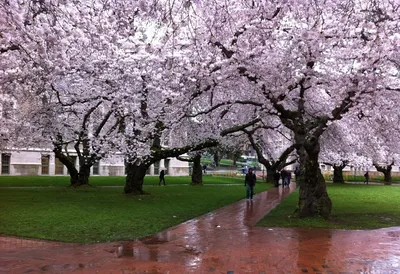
(223, 241)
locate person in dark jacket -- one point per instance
(162, 179)
(277, 176)
(284, 177)
(250, 182)
(366, 178)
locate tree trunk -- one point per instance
(197, 173)
(234, 159)
(270, 174)
(338, 174)
(313, 197)
(134, 178)
(388, 177)
(387, 172)
(216, 159)
(80, 178)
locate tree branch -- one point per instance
(103, 122)
(190, 159)
(163, 153)
(10, 48)
(239, 127)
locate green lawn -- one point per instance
(6, 181)
(222, 163)
(359, 178)
(354, 207)
(96, 214)
(228, 163)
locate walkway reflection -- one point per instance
(195, 241)
(223, 241)
(313, 249)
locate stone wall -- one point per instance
(180, 171)
(113, 171)
(28, 170)
(29, 162)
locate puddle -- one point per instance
(71, 267)
(152, 241)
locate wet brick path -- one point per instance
(224, 241)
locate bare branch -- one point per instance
(103, 122)
(10, 48)
(240, 127)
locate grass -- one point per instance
(228, 163)
(360, 178)
(377, 179)
(6, 181)
(354, 207)
(22, 181)
(222, 163)
(95, 214)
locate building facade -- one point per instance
(32, 162)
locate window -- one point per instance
(45, 164)
(59, 167)
(157, 167)
(5, 163)
(96, 168)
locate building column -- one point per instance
(52, 165)
(169, 168)
(152, 169)
(162, 164)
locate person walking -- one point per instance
(288, 177)
(277, 176)
(162, 177)
(250, 182)
(284, 177)
(366, 178)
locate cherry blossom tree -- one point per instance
(72, 59)
(381, 144)
(386, 153)
(197, 168)
(340, 147)
(311, 63)
(367, 139)
(103, 77)
(274, 149)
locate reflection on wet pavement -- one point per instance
(223, 241)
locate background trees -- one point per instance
(274, 148)
(91, 71)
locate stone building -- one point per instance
(43, 162)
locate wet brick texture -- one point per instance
(224, 241)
